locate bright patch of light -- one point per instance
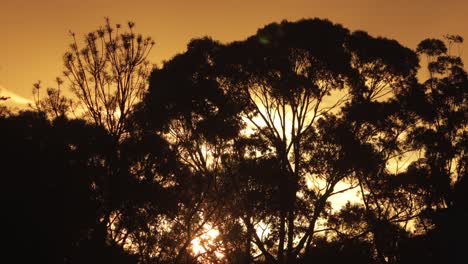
(344, 193)
(262, 230)
(14, 98)
(206, 243)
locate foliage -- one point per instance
(240, 152)
(108, 75)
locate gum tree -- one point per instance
(108, 74)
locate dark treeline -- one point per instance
(239, 152)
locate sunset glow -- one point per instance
(28, 26)
(206, 243)
(234, 132)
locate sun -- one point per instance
(207, 243)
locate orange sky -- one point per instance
(35, 32)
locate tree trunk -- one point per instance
(282, 234)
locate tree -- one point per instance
(236, 151)
(441, 137)
(285, 145)
(378, 123)
(284, 78)
(109, 74)
(51, 207)
(55, 104)
(136, 189)
(186, 107)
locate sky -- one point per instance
(35, 32)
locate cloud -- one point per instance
(14, 99)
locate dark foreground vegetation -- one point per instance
(254, 141)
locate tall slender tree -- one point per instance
(109, 74)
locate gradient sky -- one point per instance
(35, 32)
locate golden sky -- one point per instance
(35, 32)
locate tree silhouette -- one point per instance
(52, 209)
(378, 126)
(55, 104)
(281, 83)
(109, 74)
(189, 110)
(293, 78)
(441, 135)
(236, 152)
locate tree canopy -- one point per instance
(304, 143)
